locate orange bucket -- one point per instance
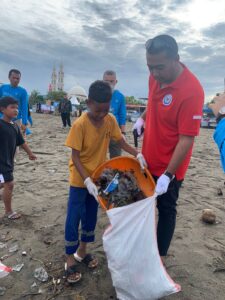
(124, 163)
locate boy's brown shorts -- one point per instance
(8, 176)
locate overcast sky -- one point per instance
(94, 35)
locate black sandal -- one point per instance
(71, 271)
(86, 260)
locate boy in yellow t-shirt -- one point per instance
(89, 140)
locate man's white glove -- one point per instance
(138, 125)
(162, 184)
(142, 161)
(91, 187)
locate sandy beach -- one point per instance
(196, 257)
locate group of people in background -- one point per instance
(171, 122)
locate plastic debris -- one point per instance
(2, 237)
(40, 274)
(4, 270)
(4, 257)
(2, 291)
(2, 245)
(24, 253)
(14, 248)
(18, 267)
(52, 171)
(33, 285)
(112, 185)
(118, 188)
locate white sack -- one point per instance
(131, 248)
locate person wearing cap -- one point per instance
(118, 109)
(171, 121)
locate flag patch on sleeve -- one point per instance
(196, 117)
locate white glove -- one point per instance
(141, 160)
(138, 125)
(162, 184)
(92, 188)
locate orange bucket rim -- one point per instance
(107, 163)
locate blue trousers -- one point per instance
(82, 207)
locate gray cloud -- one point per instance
(198, 51)
(216, 32)
(91, 36)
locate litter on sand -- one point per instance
(18, 267)
(40, 274)
(119, 188)
(14, 248)
(4, 270)
(2, 291)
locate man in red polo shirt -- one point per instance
(171, 121)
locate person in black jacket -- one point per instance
(65, 108)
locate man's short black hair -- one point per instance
(162, 43)
(100, 91)
(6, 101)
(14, 71)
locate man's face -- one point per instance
(162, 68)
(11, 111)
(111, 79)
(14, 79)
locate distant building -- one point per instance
(61, 78)
(57, 82)
(54, 80)
(79, 92)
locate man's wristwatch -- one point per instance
(221, 114)
(168, 174)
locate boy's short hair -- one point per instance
(14, 71)
(6, 101)
(100, 91)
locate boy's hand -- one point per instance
(142, 161)
(91, 187)
(32, 156)
(23, 127)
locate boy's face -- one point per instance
(98, 111)
(11, 111)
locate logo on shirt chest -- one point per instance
(167, 99)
